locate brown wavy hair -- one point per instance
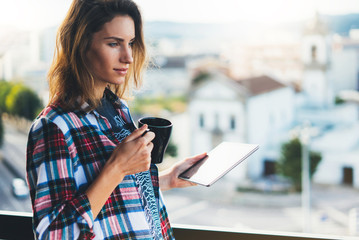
(70, 78)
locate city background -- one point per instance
(234, 72)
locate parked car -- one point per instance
(19, 188)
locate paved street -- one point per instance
(7, 200)
(14, 149)
(11, 166)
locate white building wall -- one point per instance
(316, 88)
(344, 70)
(270, 114)
(210, 110)
(339, 148)
(269, 117)
(225, 110)
(330, 169)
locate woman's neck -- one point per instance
(99, 90)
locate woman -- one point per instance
(88, 166)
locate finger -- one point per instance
(150, 146)
(197, 157)
(149, 136)
(200, 156)
(136, 134)
(143, 134)
(189, 162)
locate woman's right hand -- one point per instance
(132, 155)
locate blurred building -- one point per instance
(167, 76)
(331, 66)
(281, 61)
(310, 75)
(26, 57)
(255, 110)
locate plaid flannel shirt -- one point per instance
(65, 153)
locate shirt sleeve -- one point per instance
(61, 211)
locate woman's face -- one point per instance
(110, 53)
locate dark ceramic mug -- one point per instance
(162, 128)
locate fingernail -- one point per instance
(144, 133)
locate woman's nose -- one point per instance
(126, 56)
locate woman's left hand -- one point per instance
(169, 178)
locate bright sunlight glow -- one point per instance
(36, 14)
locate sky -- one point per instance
(37, 14)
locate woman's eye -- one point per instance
(113, 44)
(131, 43)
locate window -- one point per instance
(269, 168)
(348, 174)
(232, 123)
(314, 53)
(201, 120)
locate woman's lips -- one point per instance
(121, 71)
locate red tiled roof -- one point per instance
(259, 85)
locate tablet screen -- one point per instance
(218, 162)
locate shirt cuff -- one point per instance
(85, 216)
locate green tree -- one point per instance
(23, 102)
(339, 100)
(5, 88)
(1, 131)
(171, 149)
(154, 105)
(290, 162)
(201, 77)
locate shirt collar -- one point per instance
(111, 96)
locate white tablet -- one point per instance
(218, 162)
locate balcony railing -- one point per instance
(17, 225)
